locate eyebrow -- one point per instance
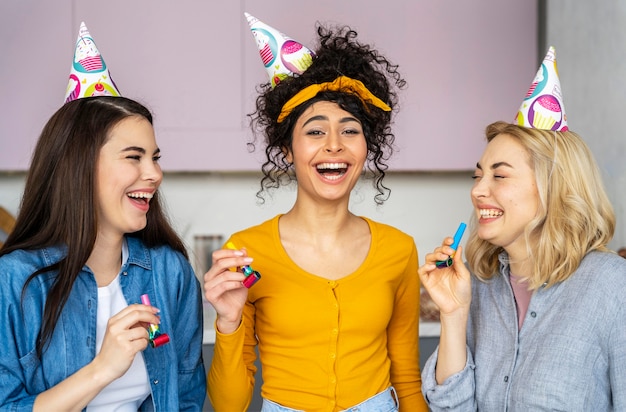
(322, 117)
(139, 149)
(495, 165)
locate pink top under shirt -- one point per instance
(522, 298)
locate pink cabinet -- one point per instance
(195, 65)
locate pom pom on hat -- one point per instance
(542, 107)
(281, 55)
(89, 75)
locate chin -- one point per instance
(487, 237)
(137, 227)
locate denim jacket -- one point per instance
(175, 370)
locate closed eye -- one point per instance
(315, 132)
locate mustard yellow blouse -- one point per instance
(324, 345)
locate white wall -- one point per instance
(590, 42)
(424, 205)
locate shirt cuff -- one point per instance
(456, 392)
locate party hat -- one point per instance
(281, 55)
(543, 106)
(89, 75)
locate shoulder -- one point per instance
(20, 262)
(392, 246)
(18, 265)
(604, 272)
(603, 260)
(25, 260)
(263, 232)
(385, 233)
(148, 257)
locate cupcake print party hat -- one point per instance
(89, 75)
(281, 56)
(543, 106)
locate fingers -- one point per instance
(220, 255)
(131, 325)
(126, 334)
(441, 254)
(133, 315)
(458, 257)
(459, 264)
(130, 340)
(223, 274)
(227, 259)
(223, 286)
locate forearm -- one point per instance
(75, 392)
(452, 356)
(230, 382)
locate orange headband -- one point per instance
(341, 83)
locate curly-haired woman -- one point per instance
(335, 314)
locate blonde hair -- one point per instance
(574, 215)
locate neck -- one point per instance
(519, 268)
(322, 219)
(105, 260)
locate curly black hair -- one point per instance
(338, 54)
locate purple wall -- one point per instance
(195, 64)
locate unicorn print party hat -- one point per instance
(89, 75)
(281, 55)
(542, 107)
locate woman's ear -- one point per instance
(288, 155)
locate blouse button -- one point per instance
(156, 381)
(506, 378)
(533, 314)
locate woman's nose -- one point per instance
(480, 189)
(333, 143)
(152, 172)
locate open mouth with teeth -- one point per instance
(332, 171)
(490, 213)
(140, 197)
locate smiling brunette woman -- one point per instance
(335, 313)
(90, 239)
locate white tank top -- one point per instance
(129, 391)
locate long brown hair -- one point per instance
(58, 207)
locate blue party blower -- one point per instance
(457, 239)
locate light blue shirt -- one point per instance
(176, 371)
(570, 354)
